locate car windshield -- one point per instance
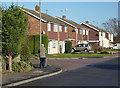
(82, 45)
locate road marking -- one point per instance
(33, 79)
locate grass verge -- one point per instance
(77, 55)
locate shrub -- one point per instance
(95, 51)
(25, 53)
(20, 66)
(104, 52)
(68, 47)
(100, 49)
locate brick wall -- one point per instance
(79, 35)
(63, 34)
(93, 35)
(94, 45)
(72, 35)
(52, 34)
(34, 26)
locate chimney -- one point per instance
(87, 21)
(37, 8)
(64, 17)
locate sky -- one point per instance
(94, 12)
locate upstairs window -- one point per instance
(83, 32)
(80, 31)
(60, 28)
(49, 27)
(77, 31)
(55, 28)
(65, 29)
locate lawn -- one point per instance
(77, 55)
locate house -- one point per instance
(97, 36)
(55, 29)
(76, 33)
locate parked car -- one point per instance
(116, 46)
(82, 47)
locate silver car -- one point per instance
(82, 47)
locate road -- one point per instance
(100, 74)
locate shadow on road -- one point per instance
(107, 65)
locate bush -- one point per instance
(100, 49)
(25, 53)
(95, 51)
(20, 66)
(104, 52)
(34, 42)
(68, 47)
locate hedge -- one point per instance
(34, 42)
(68, 47)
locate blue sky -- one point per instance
(94, 12)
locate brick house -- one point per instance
(55, 29)
(97, 36)
(76, 33)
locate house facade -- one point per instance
(60, 30)
(98, 37)
(55, 29)
(76, 33)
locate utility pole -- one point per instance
(40, 21)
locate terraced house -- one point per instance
(76, 33)
(87, 33)
(60, 30)
(97, 36)
(55, 29)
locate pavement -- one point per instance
(24, 77)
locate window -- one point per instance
(55, 27)
(80, 31)
(54, 44)
(65, 29)
(49, 27)
(60, 28)
(77, 31)
(83, 32)
(86, 32)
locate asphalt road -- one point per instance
(101, 74)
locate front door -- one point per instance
(60, 46)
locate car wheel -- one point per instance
(86, 50)
(72, 50)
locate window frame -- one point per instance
(49, 26)
(60, 27)
(55, 26)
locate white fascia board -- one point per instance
(33, 15)
(89, 26)
(93, 40)
(65, 22)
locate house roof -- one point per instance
(94, 27)
(69, 22)
(44, 17)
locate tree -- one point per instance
(14, 27)
(113, 26)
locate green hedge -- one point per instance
(68, 47)
(34, 42)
